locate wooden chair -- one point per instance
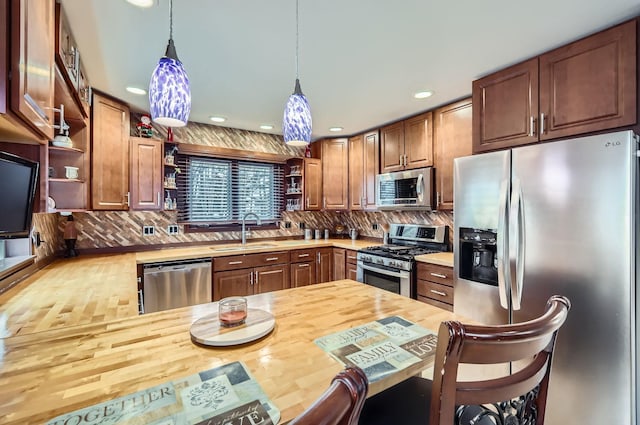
(341, 403)
(520, 396)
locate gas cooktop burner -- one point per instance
(398, 251)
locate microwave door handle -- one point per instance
(420, 185)
(502, 248)
(517, 246)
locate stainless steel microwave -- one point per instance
(412, 189)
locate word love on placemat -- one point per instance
(226, 395)
(382, 347)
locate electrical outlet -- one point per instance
(301, 225)
(287, 225)
(148, 230)
(374, 226)
(173, 229)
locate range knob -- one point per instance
(379, 260)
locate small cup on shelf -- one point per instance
(232, 311)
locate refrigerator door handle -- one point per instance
(502, 248)
(518, 243)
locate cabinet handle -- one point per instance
(272, 259)
(250, 278)
(350, 257)
(401, 160)
(437, 198)
(234, 262)
(324, 203)
(159, 195)
(127, 199)
(442, 294)
(532, 126)
(440, 275)
(302, 255)
(304, 265)
(405, 160)
(255, 281)
(318, 257)
(541, 123)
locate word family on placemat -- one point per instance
(382, 347)
(226, 395)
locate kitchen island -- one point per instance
(45, 374)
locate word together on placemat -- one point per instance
(226, 395)
(381, 348)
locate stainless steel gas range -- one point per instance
(392, 266)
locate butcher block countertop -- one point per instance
(439, 258)
(46, 374)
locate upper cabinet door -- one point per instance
(33, 64)
(312, 184)
(451, 139)
(356, 172)
(392, 148)
(146, 173)
(370, 167)
(110, 155)
(589, 85)
(335, 174)
(418, 141)
(506, 108)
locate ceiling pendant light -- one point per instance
(296, 124)
(169, 92)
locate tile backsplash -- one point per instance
(113, 229)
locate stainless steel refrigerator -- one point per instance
(558, 218)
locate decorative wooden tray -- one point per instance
(208, 331)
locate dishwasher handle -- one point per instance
(176, 265)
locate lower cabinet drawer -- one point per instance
(436, 303)
(435, 291)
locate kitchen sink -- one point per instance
(242, 248)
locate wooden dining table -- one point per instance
(46, 374)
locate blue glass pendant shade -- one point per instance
(169, 92)
(296, 124)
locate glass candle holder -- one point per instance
(232, 311)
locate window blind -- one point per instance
(219, 191)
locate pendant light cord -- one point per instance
(171, 20)
(297, 45)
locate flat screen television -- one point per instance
(18, 180)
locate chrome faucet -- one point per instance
(244, 233)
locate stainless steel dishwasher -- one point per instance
(176, 284)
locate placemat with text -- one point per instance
(227, 395)
(382, 347)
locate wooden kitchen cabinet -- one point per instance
(324, 265)
(334, 154)
(303, 267)
(240, 275)
(339, 263)
(407, 144)
(110, 154)
(303, 185)
(364, 161)
(32, 64)
(146, 173)
(351, 265)
(585, 86)
(451, 139)
(435, 285)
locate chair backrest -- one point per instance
(531, 343)
(341, 403)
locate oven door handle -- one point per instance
(400, 274)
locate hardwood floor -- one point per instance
(71, 292)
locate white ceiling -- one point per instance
(360, 61)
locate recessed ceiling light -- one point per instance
(217, 119)
(335, 129)
(423, 94)
(136, 90)
(141, 3)
(266, 127)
